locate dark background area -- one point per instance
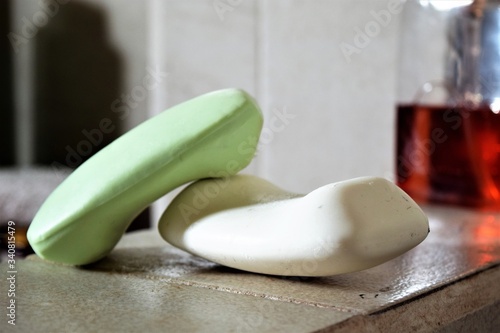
(75, 86)
(7, 138)
(77, 75)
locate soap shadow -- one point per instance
(156, 260)
(78, 75)
(170, 262)
(233, 271)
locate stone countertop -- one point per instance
(448, 283)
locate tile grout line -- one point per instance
(260, 73)
(433, 289)
(183, 282)
(179, 281)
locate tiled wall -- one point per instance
(324, 73)
(72, 61)
(329, 113)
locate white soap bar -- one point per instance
(247, 223)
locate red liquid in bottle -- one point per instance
(449, 155)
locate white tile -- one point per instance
(204, 50)
(287, 53)
(343, 111)
(124, 32)
(203, 47)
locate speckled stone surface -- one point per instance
(460, 243)
(55, 298)
(445, 284)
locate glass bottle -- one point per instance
(448, 112)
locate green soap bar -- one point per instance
(213, 135)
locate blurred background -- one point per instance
(78, 73)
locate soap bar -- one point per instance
(212, 135)
(247, 223)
